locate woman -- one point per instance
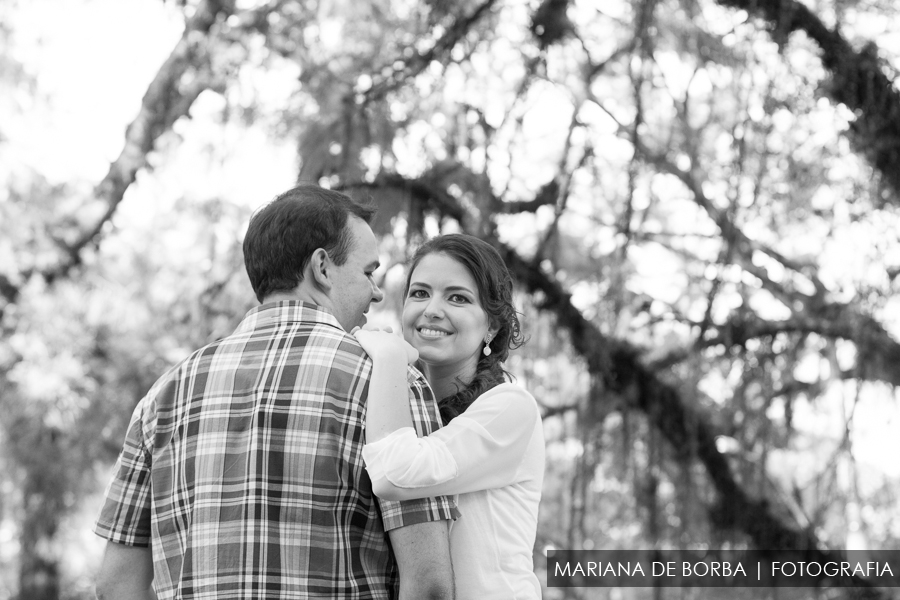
(459, 315)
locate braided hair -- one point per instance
(495, 291)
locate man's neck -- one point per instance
(280, 297)
(301, 293)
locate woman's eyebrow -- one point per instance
(449, 288)
(459, 288)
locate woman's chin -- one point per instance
(439, 359)
(429, 356)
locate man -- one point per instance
(242, 473)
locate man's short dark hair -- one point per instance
(283, 235)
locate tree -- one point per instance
(590, 145)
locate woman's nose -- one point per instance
(433, 309)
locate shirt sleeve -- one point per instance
(400, 512)
(125, 515)
(481, 449)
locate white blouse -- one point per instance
(492, 455)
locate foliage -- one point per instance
(702, 227)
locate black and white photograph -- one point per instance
(449, 300)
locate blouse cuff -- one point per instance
(408, 461)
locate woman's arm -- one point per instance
(387, 405)
(481, 449)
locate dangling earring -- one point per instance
(487, 346)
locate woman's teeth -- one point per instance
(432, 333)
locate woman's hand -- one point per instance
(383, 344)
(388, 399)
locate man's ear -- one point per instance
(319, 269)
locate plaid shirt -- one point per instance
(242, 468)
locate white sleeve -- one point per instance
(478, 450)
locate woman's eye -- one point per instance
(459, 299)
(418, 294)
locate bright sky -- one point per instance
(94, 60)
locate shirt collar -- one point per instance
(286, 311)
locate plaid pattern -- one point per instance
(242, 468)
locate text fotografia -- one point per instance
(870, 570)
(723, 568)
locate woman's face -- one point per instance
(442, 315)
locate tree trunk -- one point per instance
(39, 450)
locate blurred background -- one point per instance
(698, 198)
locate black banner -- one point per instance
(723, 568)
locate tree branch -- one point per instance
(689, 432)
(546, 196)
(184, 75)
(415, 65)
(878, 354)
(419, 190)
(858, 81)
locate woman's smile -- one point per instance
(429, 333)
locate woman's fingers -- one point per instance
(369, 327)
(383, 341)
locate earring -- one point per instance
(487, 346)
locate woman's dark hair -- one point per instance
(283, 235)
(495, 294)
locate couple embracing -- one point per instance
(306, 456)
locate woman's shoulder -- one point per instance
(508, 395)
(508, 389)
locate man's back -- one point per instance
(251, 452)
